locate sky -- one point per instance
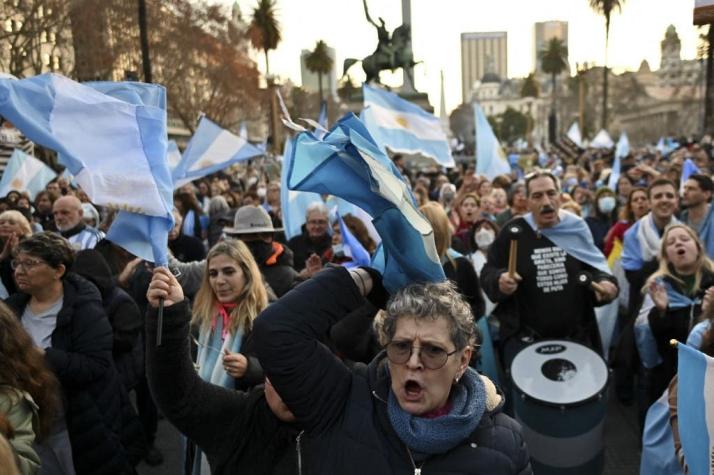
(635, 34)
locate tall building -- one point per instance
(310, 80)
(481, 53)
(544, 32)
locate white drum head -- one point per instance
(559, 372)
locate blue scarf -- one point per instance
(677, 299)
(439, 435)
(572, 234)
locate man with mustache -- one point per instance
(544, 299)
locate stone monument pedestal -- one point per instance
(355, 102)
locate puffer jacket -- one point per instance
(81, 358)
(343, 410)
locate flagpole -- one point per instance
(673, 343)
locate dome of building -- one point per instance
(490, 78)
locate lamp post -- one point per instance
(144, 38)
(581, 69)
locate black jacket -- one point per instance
(235, 429)
(462, 273)
(303, 248)
(81, 358)
(549, 301)
(342, 410)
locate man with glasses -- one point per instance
(544, 298)
(310, 246)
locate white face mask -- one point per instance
(484, 238)
(606, 204)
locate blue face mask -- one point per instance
(606, 204)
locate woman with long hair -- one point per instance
(14, 227)
(672, 305)
(29, 392)
(231, 296)
(637, 205)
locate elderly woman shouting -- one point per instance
(417, 406)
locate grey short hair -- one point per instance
(429, 300)
(317, 207)
(218, 206)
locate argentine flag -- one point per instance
(25, 173)
(173, 155)
(293, 203)
(349, 164)
(115, 149)
(490, 159)
(352, 247)
(211, 149)
(695, 409)
(575, 135)
(404, 127)
(621, 151)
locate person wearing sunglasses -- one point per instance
(416, 407)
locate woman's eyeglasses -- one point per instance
(431, 356)
(26, 264)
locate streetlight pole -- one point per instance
(144, 38)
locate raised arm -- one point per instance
(288, 337)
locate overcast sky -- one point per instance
(635, 34)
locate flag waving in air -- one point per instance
(348, 164)
(211, 149)
(115, 149)
(25, 173)
(490, 159)
(404, 127)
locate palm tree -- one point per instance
(319, 62)
(264, 30)
(605, 8)
(553, 61)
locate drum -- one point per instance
(559, 398)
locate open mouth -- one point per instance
(681, 252)
(413, 390)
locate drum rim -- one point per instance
(582, 402)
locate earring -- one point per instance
(456, 379)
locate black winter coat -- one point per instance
(81, 358)
(343, 411)
(235, 429)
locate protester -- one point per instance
(184, 247)
(517, 204)
(483, 234)
(191, 213)
(672, 305)
(29, 393)
(360, 231)
(429, 402)
(68, 214)
(636, 205)
(313, 242)
(696, 199)
(535, 305)
(43, 211)
(219, 216)
(457, 268)
(253, 226)
(603, 215)
(63, 314)
(230, 297)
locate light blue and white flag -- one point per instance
(211, 149)
(491, 161)
(349, 164)
(658, 456)
(404, 127)
(25, 173)
(344, 207)
(622, 149)
(173, 155)
(352, 247)
(293, 203)
(695, 409)
(575, 135)
(689, 168)
(99, 138)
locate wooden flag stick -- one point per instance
(673, 343)
(512, 257)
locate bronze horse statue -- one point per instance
(391, 53)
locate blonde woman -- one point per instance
(14, 227)
(672, 304)
(231, 296)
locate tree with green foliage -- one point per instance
(530, 86)
(320, 63)
(605, 8)
(553, 60)
(264, 30)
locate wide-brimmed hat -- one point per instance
(251, 219)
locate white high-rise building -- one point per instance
(310, 80)
(481, 53)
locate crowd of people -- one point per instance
(279, 354)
